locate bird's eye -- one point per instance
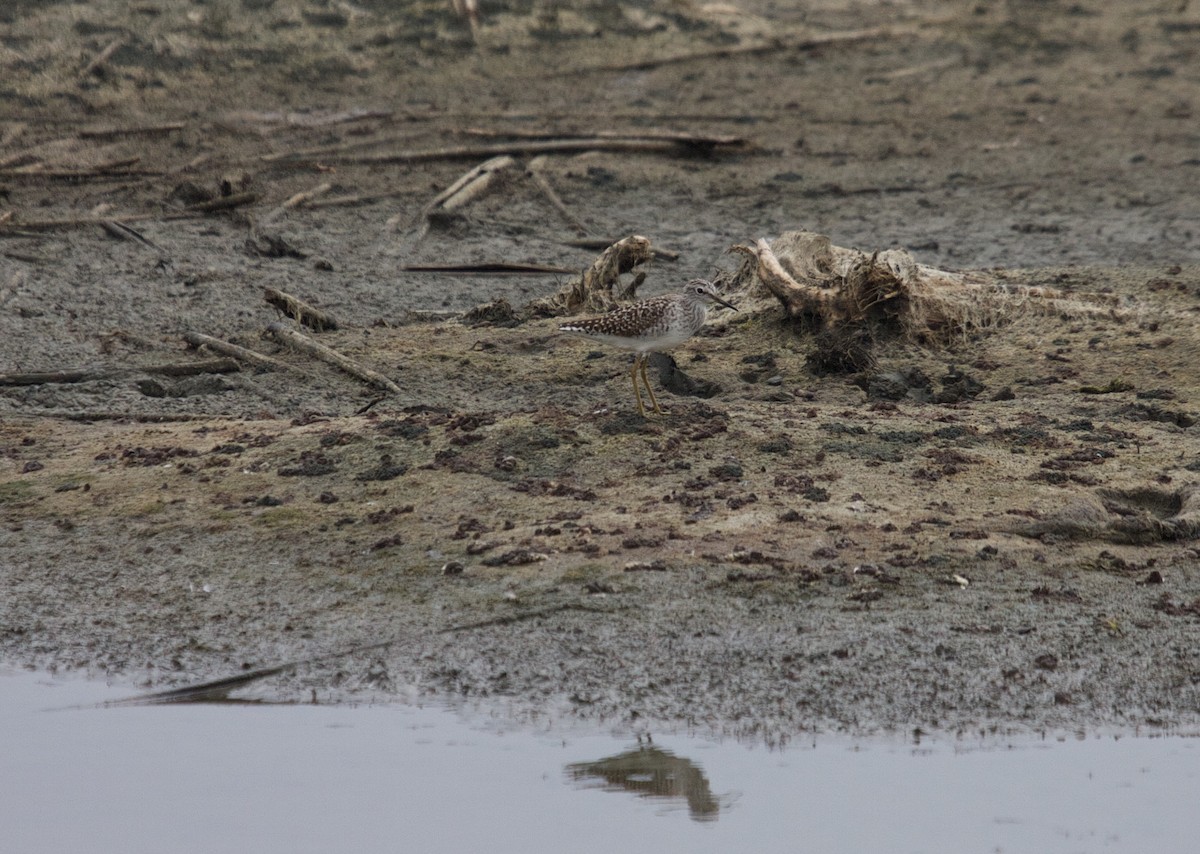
(700, 289)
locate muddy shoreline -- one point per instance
(795, 553)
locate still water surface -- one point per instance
(272, 778)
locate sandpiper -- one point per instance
(650, 326)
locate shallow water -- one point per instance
(272, 778)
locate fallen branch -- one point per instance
(809, 43)
(242, 354)
(300, 311)
(534, 171)
(143, 130)
(356, 199)
(683, 137)
(188, 369)
(295, 201)
(684, 145)
(121, 231)
(224, 203)
(323, 151)
(470, 186)
(298, 341)
(494, 268)
(137, 417)
(101, 58)
(9, 226)
(177, 369)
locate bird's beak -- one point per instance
(722, 302)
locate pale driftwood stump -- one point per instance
(594, 291)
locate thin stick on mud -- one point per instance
(470, 186)
(140, 130)
(324, 151)
(9, 226)
(100, 172)
(534, 171)
(251, 357)
(299, 341)
(685, 145)
(174, 369)
(121, 231)
(298, 200)
(136, 417)
(101, 58)
(820, 40)
(224, 203)
(351, 200)
(300, 311)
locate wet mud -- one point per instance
(992, 532)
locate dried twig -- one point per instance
(323, 151)
(686, 144)
(300, 311)
(534, 171)
(101, 171)
(223, 203)
(121, 231)
(295, 201)
(138, 417)
(176, 369)
(303, 198)
(301, 342)
(9, 226)
(242, 354)
(469, 187)
(355, 199)
(141, 130)
(494, 268)
(101, 58)
(682, 137)
(820, 40)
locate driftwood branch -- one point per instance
(176, 369)
(594, 290)
(242, 354)
(298, 200)
(137, 417)
(470, 186)
(300, 311)
(683, 144)
(101, 58)
(298, 341)
(139, 130)
(224, 203)
(772, 46)
(534, 171)
(490, 268)
(887, 293)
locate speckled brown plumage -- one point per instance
(651, 325)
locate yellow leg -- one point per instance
(646, 380)
(633, 375)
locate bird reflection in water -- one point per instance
(651, 773)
